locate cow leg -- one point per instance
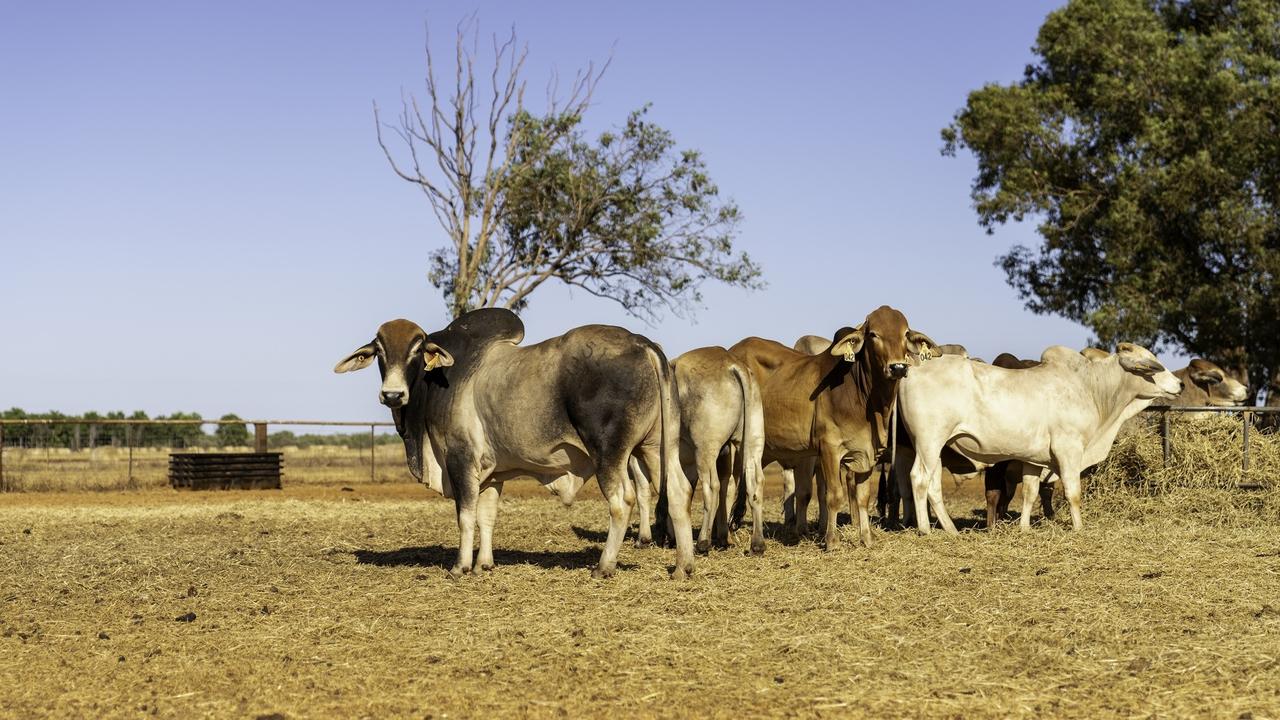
(709, 484)
(679, 495)
(788, 497)
(993, 484)
(1008, 485)
(673, 505)
(903, 463)
(1070, 475)
(487, 514)
(737, 473)
(926, 465)
(728, 482)
(644, 534)
(662, 535)
(938, 504)
(862, 487)
(1030, 488)
(612, 477)
(1046, 499)
(466, 489)
(831, 456)
(803, 476)
(821, 490)
(882, 494)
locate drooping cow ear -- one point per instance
(1134, 359)
(848, 345)
(920, 344)
(434, 356)
(1206, 377)
(358, 360)
(1204, 373)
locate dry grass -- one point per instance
(1202, 479)
(312, 603)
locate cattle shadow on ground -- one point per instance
(439, 556)
(601, 536)
(598, 536)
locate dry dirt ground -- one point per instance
(320, 602)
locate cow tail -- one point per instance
(666, 405)
(742, 464)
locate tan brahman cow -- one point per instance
(835, 406)
(721, 443)
(1206, 384)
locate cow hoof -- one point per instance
(456, 572)
(486, 567)
(601, 574)
(642, 543)
(757, 547)
(703, 547)
(682, 573)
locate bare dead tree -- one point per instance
(463, 162)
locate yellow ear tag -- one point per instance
(432, 362)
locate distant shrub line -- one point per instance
(87, 435)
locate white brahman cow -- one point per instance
(1063, 415)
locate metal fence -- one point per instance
(1250, 416)
(134, 453)
(99, 453)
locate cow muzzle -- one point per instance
(392, 399)
(898, 370)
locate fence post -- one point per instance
(373, 455)
(3, 487)
(1164, 434)
(128, 440)
(260, 437)
(1244, 463)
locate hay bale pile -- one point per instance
(1204, 474)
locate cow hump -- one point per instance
(471, 332)
(1063, 355)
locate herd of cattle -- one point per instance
(475, 408)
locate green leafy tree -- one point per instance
(183, 436)
(1144, 141)
(526, 198)
(231, 435)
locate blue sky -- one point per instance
(195, 214)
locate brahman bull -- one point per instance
(721, 443)
(835, 406)
(489, 410)
(1063, 415)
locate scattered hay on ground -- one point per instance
(236, 605)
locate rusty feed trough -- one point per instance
(225, 471)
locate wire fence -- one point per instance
(106, 454)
